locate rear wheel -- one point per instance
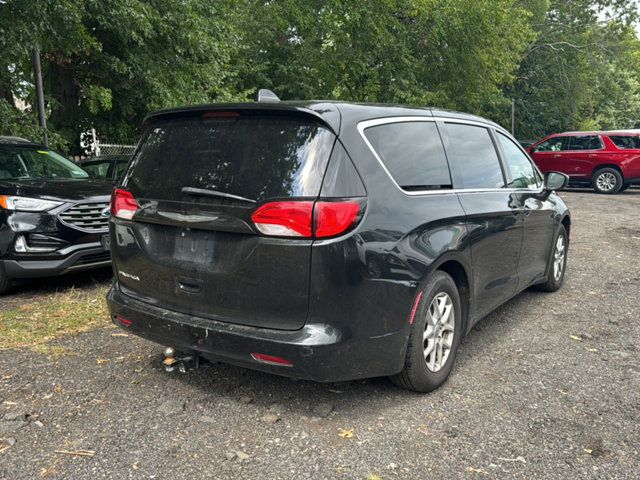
(434, 337)
(5, 282)
(607, 180)
(558, 263)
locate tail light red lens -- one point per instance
(123, 205)
(333, 218)
(284, 219)
(303, 219)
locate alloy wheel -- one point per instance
(606, 181)
(558, 258)
(439, 331)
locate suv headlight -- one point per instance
(25, 204)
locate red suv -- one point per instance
(608, 161)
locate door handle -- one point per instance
(188, 286)
(556, 155)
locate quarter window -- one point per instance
(413, 154)
(472, 152)
(585, 142)
(626, 142)
(523, 175)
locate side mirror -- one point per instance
(555, 181)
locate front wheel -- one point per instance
(607, 180)
(434, 337)
(558, 265)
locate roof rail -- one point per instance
(265, 95)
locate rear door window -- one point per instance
(584, 142)
(473, 155)
(626, 142)
(246, 155)
(523, 175)
(412, 153)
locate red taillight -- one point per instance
(304, 220)
(284, 219)
(333, 218)
(270, 359)
(125, 322)
(123, 205)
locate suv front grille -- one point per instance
(86, 216)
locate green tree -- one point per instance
(582, 70)
(450, 53)
(107, 63)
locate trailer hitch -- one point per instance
(172, 361)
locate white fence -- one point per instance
(112, 149)
(95, 147)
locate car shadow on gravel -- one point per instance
(29, 290)
(219, 383)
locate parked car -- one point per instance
(607, 161)
(328, 241)
(107, 166)
(53, 217)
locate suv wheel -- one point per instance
(5, 282)
(558, 263)
(434, 337)
(607, 180)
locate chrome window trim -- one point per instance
(363, 125)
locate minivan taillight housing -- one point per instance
(308, 219)
(123, 204)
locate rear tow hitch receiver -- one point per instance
(173, 361)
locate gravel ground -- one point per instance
(545, 387)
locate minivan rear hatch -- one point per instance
(191, 245)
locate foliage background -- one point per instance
(569, 64)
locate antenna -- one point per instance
(265, 95)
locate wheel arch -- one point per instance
(566, 222)
(457, 269)
(601, 166)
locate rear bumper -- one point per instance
(87, 258)
(319, 352)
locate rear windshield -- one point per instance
(249, 156)
(626, 142)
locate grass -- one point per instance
(34, 325)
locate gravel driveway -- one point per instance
(548, 386)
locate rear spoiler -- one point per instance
(323, 112)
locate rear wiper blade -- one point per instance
(214, 193)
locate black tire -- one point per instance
(624, 187)
(607, 181)
(553, 283)
(416, 375)
(5, 282)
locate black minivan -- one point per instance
(328, 241)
